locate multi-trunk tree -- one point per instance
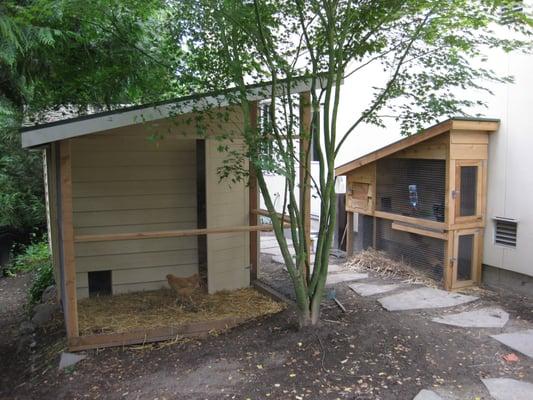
(426, 49)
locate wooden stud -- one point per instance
(253, 204)
(305, 167)
(449, 262)
(67, 239)
(349, 234)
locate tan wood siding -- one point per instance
(123, 182)
(228, 255)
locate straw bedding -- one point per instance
(153, 309)
(378, 262)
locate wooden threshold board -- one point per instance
(142, 336)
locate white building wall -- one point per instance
(510, 175)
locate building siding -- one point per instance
(124, 182)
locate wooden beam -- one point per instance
(305, 167)
(419, 231)
(271, 292)
(411, 220)
(67, 241)
(475, 125)
(196, 329)
(266, 213)
(253, 204)
(175, 233)
(349, 234)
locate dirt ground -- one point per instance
(366, 353)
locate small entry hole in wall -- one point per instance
(99, 283)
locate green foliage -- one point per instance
(75, 55)
(32, 257)
(35, 259)
(429, 52)
(44, 277)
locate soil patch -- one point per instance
(365, 353)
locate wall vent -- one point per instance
(505, 231)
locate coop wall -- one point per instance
(124, 183)
(424, 254)
(228, 254)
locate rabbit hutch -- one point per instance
(135, 203)
(422, 199)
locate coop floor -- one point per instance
(159, 308)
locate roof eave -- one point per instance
(48, 133)
(456, 123)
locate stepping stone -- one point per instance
(424, 298)
(482, 318)
(70, 359)
(370, 289)
(427, 395)
(519, 341)
(509, 389)
(345, 277)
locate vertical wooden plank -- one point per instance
(451, 191)
(67, 236)
(253, 192)
(51, 186)
(449, 261)
(349, 233)
(478, 269)
(305, 166)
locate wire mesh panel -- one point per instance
(424, 254)
(411, 187)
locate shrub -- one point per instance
(44, 277)
(36, 259)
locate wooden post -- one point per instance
(305, 166)
(67, 237)
(349, 233)
(253, 202)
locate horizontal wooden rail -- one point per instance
(419, 231)
(168, 234)
(426, 223)
(266, 213)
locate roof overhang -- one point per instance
(465, 124)
(69, 128)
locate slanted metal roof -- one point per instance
(459, 123)
(84, 125)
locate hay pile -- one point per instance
(158, 308)
(379, 263)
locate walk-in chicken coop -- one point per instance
(422, 200)
(139, 219)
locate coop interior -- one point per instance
(423, 203)
(140, 213)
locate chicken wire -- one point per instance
(425, 254)
(411, 187)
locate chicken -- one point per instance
(184, 287)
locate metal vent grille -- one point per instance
(505, 232)
(422, 253)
